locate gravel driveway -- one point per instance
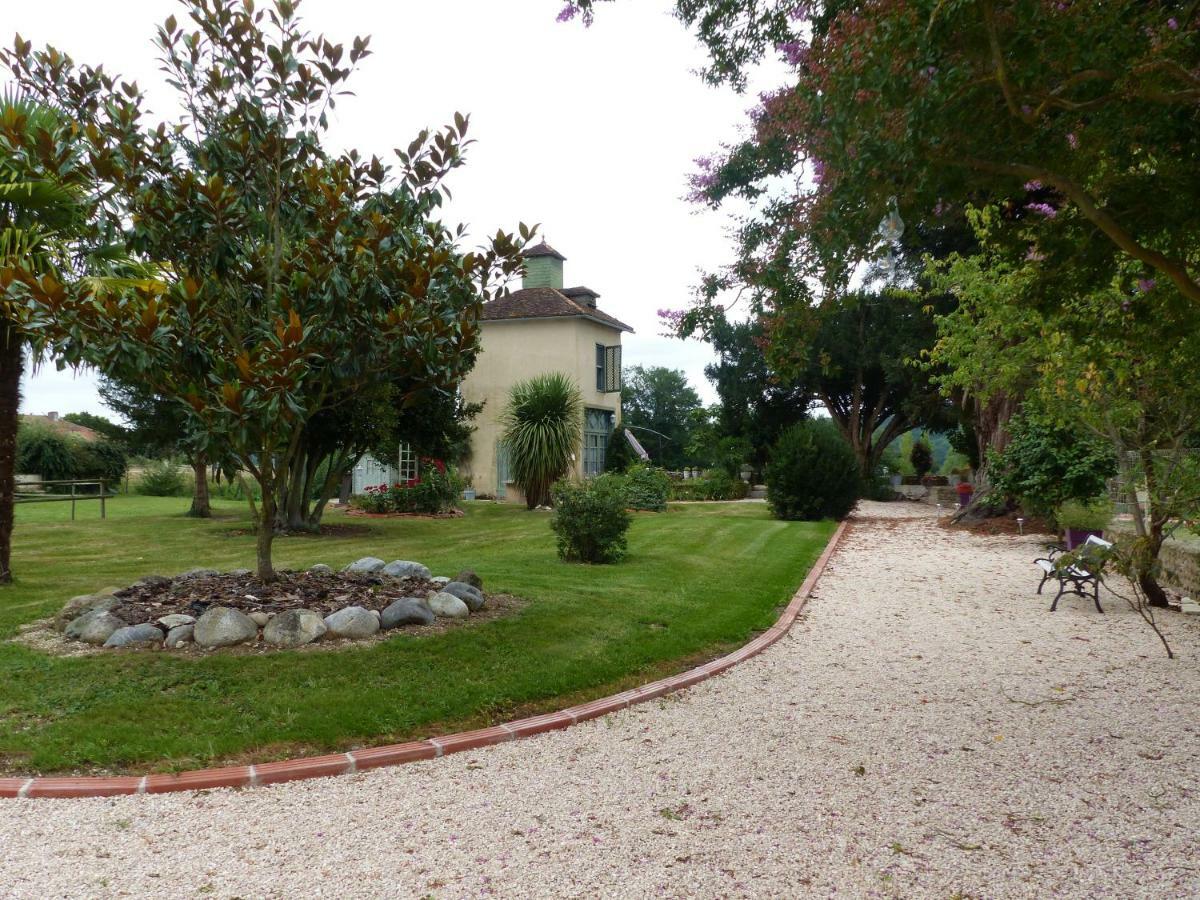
(927, 729)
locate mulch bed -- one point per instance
(1004, 524)
(322, 592)
(362, 513)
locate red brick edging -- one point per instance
(395, 754)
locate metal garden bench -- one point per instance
(1077, 578)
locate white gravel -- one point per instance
(928, 729)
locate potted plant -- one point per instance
(469, 490)
(965, 490)
(1079, 519)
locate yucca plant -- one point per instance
(543, 427)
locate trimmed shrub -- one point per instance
(164, 479)
(1045, 465)
(921, 457)
(812, 473)
(647, 488)
(716, 485)
(590, 519)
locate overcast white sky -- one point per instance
(590, 132)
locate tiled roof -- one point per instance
(544, 249)
(581, 291)
(62, 426)
(545, 303)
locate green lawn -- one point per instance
(698, 579)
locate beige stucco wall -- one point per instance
(514, 350)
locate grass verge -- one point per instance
(698, 580)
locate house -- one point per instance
(54, 422)
(543, 327)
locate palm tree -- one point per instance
(43, 209)
(543, 428)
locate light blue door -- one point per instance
(502, 474)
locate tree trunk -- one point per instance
(12, 364)
(201, 508)
(266, 534)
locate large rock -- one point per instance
(153, 581)
(224, 627)
(179, 635)
(352, 622)
(406, 611)
(368, 565)
(404, 568)
(448, 606)
(320, 569)
(77, 606)
(240, 573)
(294, 628)
(93, 627)
(135, 636)
(468, 576)
(471, 596)
(175, 620)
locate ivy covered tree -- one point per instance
(289, 278)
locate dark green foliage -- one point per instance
(812, 474)
(620, 454)
(434, 492)
(661, 403)
(590, 519)
(647, 487)
(62, 457)
(163, 479)
(757, 405)
(921, 456)
(1045, 465)
(45, 452)
(964, 440)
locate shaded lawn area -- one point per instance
(699, 579)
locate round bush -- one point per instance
(163, 479)
(590, 519)
(812, 473)
(647, 488)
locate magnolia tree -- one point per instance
(289, 280)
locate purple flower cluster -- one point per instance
(671, 320)
(795, 53)
(1145, 285)
(1033, 185)
(1044, 209)
(568, 12)
(801, 10)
